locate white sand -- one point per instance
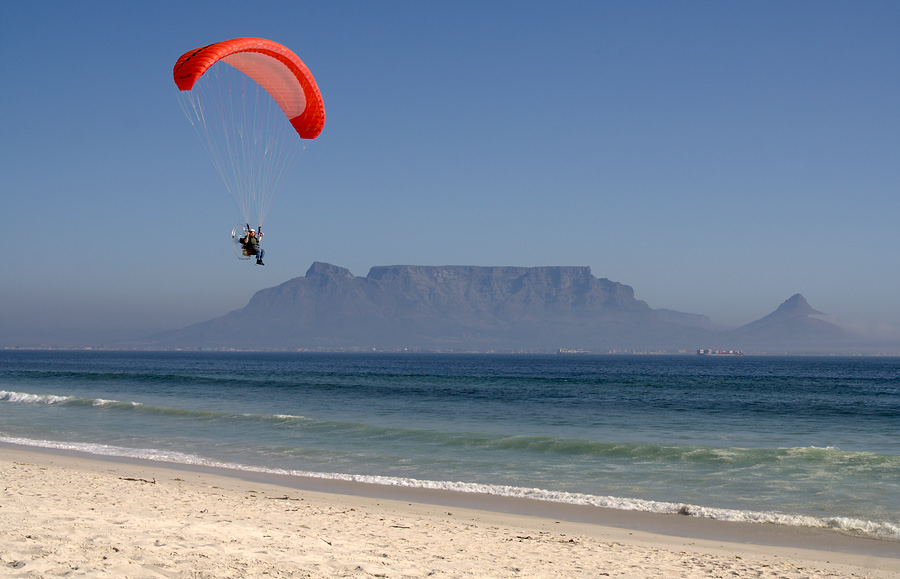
(64, 516)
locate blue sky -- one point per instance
(718, 157)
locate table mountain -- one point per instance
(452, 308)
(471, 308)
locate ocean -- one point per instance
(800, 441)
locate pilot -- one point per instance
(250, 244)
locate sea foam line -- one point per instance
(25, 398)
(878, 530)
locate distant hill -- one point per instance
(484, 309)
(453, 308)
(795, 326)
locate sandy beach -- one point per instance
(76, 516)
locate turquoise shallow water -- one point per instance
(795, 441)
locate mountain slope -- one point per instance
(444, 307)
(484, 309)
(793, 324)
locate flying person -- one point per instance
(250, 244)
(257, 87)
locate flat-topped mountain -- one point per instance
(473, 308)
(442, 308)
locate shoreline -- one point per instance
(681, 520)
(435, 520)
(674, 525)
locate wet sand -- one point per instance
(69, 515)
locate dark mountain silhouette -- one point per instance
(794, 325)
(470, 308)
(443, 308)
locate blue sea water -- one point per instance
(802, 441)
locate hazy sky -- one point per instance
(718, 157)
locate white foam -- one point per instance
(111, 450)
(883, 530)
(880, 530)
(25, 398)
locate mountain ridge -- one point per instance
(793, 320)
(485, 309)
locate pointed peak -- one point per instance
(797, 304)
(796, 301)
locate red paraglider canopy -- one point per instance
(275, 68)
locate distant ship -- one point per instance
(704, 352)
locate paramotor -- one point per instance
(239, 232)
(255, 105)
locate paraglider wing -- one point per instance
(236, 94)
(274, 67)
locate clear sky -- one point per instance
(718, 157)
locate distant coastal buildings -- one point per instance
(705, 352)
